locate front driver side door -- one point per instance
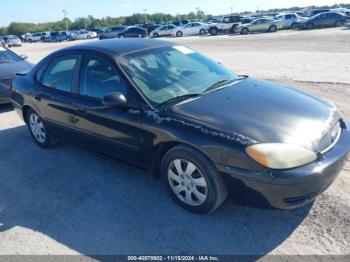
(114, 131)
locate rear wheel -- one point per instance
(294, 26)
(156, 35)
(38, 129)
(338, 23)
(272, 29)
(192, 180)
(179, 34)
(139, 35)
(89, 37)
(202, 32)
(121, 36)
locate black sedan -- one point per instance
(122, 32)
(327, 19)
(10, 64)
(168, 109)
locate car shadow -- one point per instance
(5, 108)
(98, 206)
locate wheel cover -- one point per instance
(37, 128)
(187, 182)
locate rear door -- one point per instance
(53, 97)
(114, 131)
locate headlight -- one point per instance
(280, 156)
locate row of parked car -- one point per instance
(228, 24)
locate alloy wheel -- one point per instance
(37, 128)
(187, 182)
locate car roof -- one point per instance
(118, 46)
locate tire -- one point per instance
(338, 23)
(155, 35)
(192, 180)
(38, 129)
(88, 37)
(244, 31)
(179, 34)
(272, 29)
(121, 36)
(30, 41)
(139, 35)
(213, 31)
(309, 26)
(202, 32)
(294, 26)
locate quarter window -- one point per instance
(98, 79)
(59, 74)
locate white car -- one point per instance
(166, 30)
(83, 34)
(13, 41)
(193, 28)
(289, 20)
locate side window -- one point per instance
(59, 74)
(98, 79)
(289, 17)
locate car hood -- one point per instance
(264, 112)
(9, 70)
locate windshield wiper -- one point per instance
(179, 98)
(224, 81)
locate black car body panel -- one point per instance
(8, 71)
(251, 111)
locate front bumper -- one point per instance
(4, 95)
(288, 189)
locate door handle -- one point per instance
(73, 119)
(37, 97)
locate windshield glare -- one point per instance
(7, 56)
(164, 73)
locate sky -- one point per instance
(51, 10)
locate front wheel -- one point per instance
(192, 180)
(179, 34)
(338, 23)
(294, 26)
(38, 129)
(213, 31)
(272, 29)
(140, 35)
(244, 31)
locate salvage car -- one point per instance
(328, 19)
(166, 30)
(226, 25)
(168, 109)
(83, 35)
(10, 64)
(289, 20)
(260, 25)
(193, 28)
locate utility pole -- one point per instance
(145, 13)
(65, 14)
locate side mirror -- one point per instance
(114, 99)
(24, 57)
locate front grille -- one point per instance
(6, 82)
(328, 141)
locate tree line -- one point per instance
(16, 28)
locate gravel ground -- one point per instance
(69, 201)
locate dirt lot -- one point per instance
(69, 201)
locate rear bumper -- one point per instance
(287, 189)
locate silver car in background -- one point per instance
(166, 30)
(193, 28)
(13, 41)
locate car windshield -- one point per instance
(7, 56)
(165, 73)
